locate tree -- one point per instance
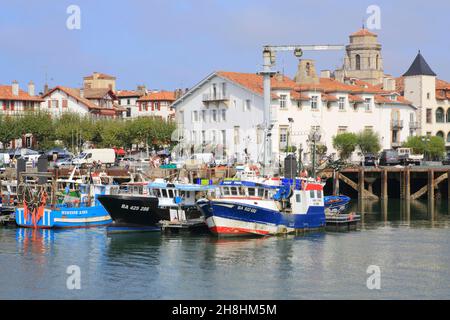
(433, 147)
(416, 143)
(8, 130)
(436, 147)
(345, 144)
(368, 142)
(39, 124)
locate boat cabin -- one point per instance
(246, 189)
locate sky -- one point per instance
(168, 44)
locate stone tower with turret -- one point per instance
(363, 58)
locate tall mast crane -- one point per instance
(269, 61)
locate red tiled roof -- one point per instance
(332, 85)
(74, 93)
(100, 76)
(298, 96)
(355, 98)
(128, 93)
(6, 94)
(254, 82)
(159, 96)
(362, 32)
(329, 97)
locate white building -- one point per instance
(128, 100)
(157, 104)
(431, 97)
(226, 109)
(96, 102)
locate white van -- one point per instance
(105, 156)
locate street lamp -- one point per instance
(314, 136)
(425, 139)
(291, 121)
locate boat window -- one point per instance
(311, 193)
(224, 191)
(251, 192)
(261, 192)
(164, 193)
(170, 191)
(298, 198)
(266, 194)
(319, 194)
(234, 191)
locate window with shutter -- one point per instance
(12, 105)
(49, 103)
(64, 103)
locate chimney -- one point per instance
(389, 84)
(82, 93)
(325, 74)
(15, 88)
(45, 88)
(31, 88)
(306, 72)
(279, 77)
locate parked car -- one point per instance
(89, 156)
(370, 159)
(446, 161)
(389, 158)
(406, 157)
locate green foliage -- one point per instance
(368, 142)
(8, 129)
(433, 147)
(290, 149)
(72, 129)
(436, 147)
(416, 143)
(321, 150)
(345, 143)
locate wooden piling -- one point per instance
(335, 183)
(448, 186)
(431, 186)
(408, 184)
(361, 183)
(402, 175)
(384, 184)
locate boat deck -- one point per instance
(342, 222)
(191, 225)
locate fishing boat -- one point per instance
(336, 204)
(154, 203)
(41, 204)
(264, 208)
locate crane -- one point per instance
(269, 52)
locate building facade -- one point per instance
(157, 103)
(99, 81)
(61, 100)
(225, 110)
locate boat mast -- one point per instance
(268, 61)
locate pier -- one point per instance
(374, 183)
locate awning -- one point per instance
(107, 112)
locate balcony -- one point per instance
(396, 124)
(396, 144)
(414, 125)
(217, 97)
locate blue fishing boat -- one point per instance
(264, 208)
(336, 204)
(42, 206)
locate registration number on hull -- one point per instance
(134, 208)
(246, 209)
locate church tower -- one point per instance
(363, 58)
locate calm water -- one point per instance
(410, 245)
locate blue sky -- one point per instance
(169, 44)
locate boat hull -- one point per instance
(133, 213)
(65, 217)
(336, 204)
(236, 219)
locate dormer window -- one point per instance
(313, 102)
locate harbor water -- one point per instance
(408, 242)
